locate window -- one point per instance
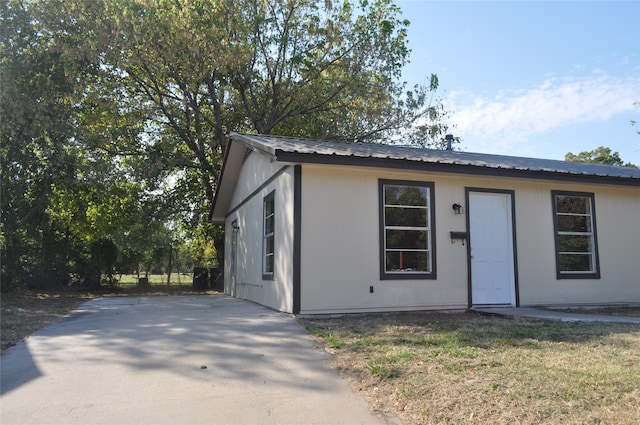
(406, 230)
(267, 237)
(575, 234)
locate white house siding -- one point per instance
(249, 284)
(618, 237)
(340, 243)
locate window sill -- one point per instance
(575, 276)
(408, 276)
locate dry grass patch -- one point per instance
(23, 313)
(434, 368)
(629, 311)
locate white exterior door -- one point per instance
(491, 249)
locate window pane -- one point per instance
(574, 223)
(268, 245)
(569, 243)
(406, 239)
(268, 206)
(405, 195)
(399, 261)
(406, 223)
(576, 263)
(268, 263)
(391, 195)
(411, 217)
(268, 225)
(573, 204)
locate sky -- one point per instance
(532, 78)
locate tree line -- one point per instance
(115, 115)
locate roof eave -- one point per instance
(405, 164)
(229, 174)
(253, 142)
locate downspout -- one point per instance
(297, 237)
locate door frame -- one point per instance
(512, 195)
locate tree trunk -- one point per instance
(169, 268)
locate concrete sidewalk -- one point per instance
(557, 315)
(174, 360)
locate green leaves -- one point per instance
(116, 112)
(600, 155)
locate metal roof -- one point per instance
(292, 149)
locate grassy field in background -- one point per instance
(463, 368)
(177, 279)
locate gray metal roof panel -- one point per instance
(277, 145)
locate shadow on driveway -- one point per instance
(191, 359)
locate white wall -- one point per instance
(618, 233)
(340, 243)
(276, 293)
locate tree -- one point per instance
(600, 155)
(116, 112)
(63, 184)
(195, 70)
(328, 70)
(104, 254)
(38, 89)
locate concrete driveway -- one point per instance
(174, 360)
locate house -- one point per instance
(317, 227)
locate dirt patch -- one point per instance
(24, 313)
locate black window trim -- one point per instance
(596, 261)
(266, 275)
(432, 229)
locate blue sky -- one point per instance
(532, 78)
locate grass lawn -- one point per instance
(177, 280)
(463, 368)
